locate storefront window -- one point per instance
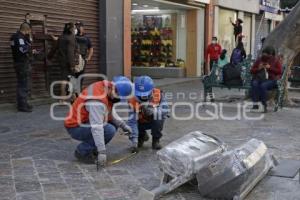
(154, 38)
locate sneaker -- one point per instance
(88, 159)
(156, 145)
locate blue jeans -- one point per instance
(85, 135)
(156, 127)
(260, 89)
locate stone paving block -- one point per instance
(105, 183)
(128, 184)
(45, 166)
(6, 181)
(4, 157)
(173, 197)
(117, 172)
(7, 148)
(27, 186)
(52, 177)
(25, 171)
(29, 152)
(41, 143)
(14, 140)
(21, 163)
(30, 196)
(68, 168)
(58, 196)
(55, 155)
(77, 175)
(5, 169)
(113, 194)
(275, 188)
(149, 182)
(55, 188)
(26, 178)
(85, 193)
(7, 193)
(78, 183)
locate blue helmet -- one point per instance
(143, 86)
(123, 86)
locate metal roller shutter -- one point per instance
(58, 13)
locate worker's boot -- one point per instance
(142, 138)
(134, 148)
(155, 144)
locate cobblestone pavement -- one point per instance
(36, 155)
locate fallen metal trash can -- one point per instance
(182, 159)
(236, 173)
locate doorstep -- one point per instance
(159, 72)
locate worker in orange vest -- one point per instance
(151, 110)
(92, 121)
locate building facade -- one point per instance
(225, 10)
(267, 19)
(104, 23)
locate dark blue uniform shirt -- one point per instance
(21, 47)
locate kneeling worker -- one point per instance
(92, 120)
(151, 110)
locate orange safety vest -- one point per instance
(78, 114)
(155, 101)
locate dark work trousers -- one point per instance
(23, 74)
(156, 127)
(260, 89)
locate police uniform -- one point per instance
(22, 54)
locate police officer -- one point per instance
(85, 45)
(22, 54)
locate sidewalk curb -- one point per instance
(177, 82)
(35, 102)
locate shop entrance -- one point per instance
(161, 40)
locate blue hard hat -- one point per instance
(123, 86)
(143, 86)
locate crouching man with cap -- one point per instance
(151, 110)
(92, 121)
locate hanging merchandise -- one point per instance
(152, 47)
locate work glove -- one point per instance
(101, 160)
(147, 110)
(126, 129)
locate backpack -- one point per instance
(232, 75)
(236, 56)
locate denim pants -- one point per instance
(84, 134)
(260, 90)
(156, 127)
